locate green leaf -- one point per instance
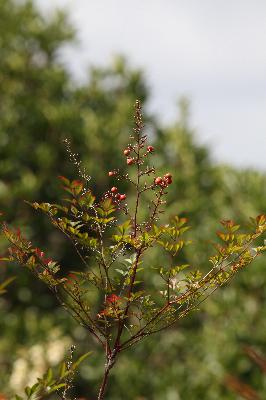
(117, 238)
(42, 206)
(137, 282)
(123, 228)
(87, 199)
(235, 228)
(56, 387)
(80, 359)
(35, 388)
(62, 370)
(49, 376)
(106, 208)
(4, 259)
(120, 271)
(64, 180)
(4, 284)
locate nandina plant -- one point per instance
(112, 240)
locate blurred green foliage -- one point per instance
(40, 105)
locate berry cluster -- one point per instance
(113, 192)
(131, 160)
(165, 181)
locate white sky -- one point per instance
(212, 51)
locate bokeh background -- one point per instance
(199, 70)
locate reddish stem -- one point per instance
(108, 366)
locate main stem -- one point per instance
(108, 366)
(112, 356)
(137, 186)
(104, 384)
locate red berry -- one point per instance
(130, 161)
(123, 197)
(168, 178)
(118, 196)
(158, 181)
(127, 152)
(150, 149)
(111, 173)
(114, 189)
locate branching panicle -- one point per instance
(74, 159)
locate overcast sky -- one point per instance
(212, 51)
